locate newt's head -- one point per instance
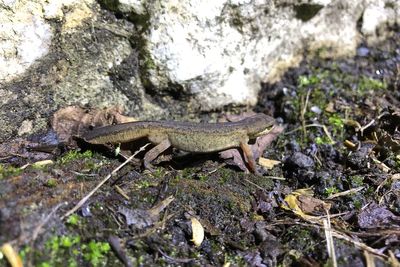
(259, 125)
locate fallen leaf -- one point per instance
(197, 232)
(73, 120)
(141, 218)
(330, 107)
(38, 164)
(268, 163)
(302, 203)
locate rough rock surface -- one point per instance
(221, 51)
(148, 55)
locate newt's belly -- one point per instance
(206, 142)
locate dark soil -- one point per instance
(342, 141)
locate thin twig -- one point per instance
(121, 192)
(339, 235)
(329, 239)
(365, 127)
(303, 112)
(358, 244)
(275, 177)
(83, 200)
(344, 193)
(252, 183)
(42, 223)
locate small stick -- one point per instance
(303, 112)
(38, 228)
(83, 200)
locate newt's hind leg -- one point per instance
(249, 157)
(153, 153)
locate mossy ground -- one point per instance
(326, 106)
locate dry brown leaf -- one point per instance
(330, 107)
(141, 218)
(197, 232)
(268, 163)
(73, 120)
(302, 203)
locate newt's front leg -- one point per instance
(153, 153)
(248, 153)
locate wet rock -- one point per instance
(329, 178)
(293, 146)
(300, 167)
(329, 152)
(253, 258)
(376, 216)
(362, 51)
(299, 160)
(260, 233)
(270, 250)
(359, 159)
(264, 202)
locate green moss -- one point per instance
(158, 173)
(58, 250)
(369, 84)
(305, 81)
(300, 238)
(8, 171)
(397, 160)
(233, 260)
(75, 155)
(322, 140)
(225, 173)
(203, 177)
(336, 121)
(95, 252)
(51, 182)
(337, 124)
(331, 190)
(223, 179)
(357, 180)
(357, 204)
(71, 251)
(44, 264)
(73, 220)
(142, 184)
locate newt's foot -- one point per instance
(148, 166)
(248, 154)
(153, 153)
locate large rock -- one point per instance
(147, 55)
(221, 51)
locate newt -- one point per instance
(187, 136)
